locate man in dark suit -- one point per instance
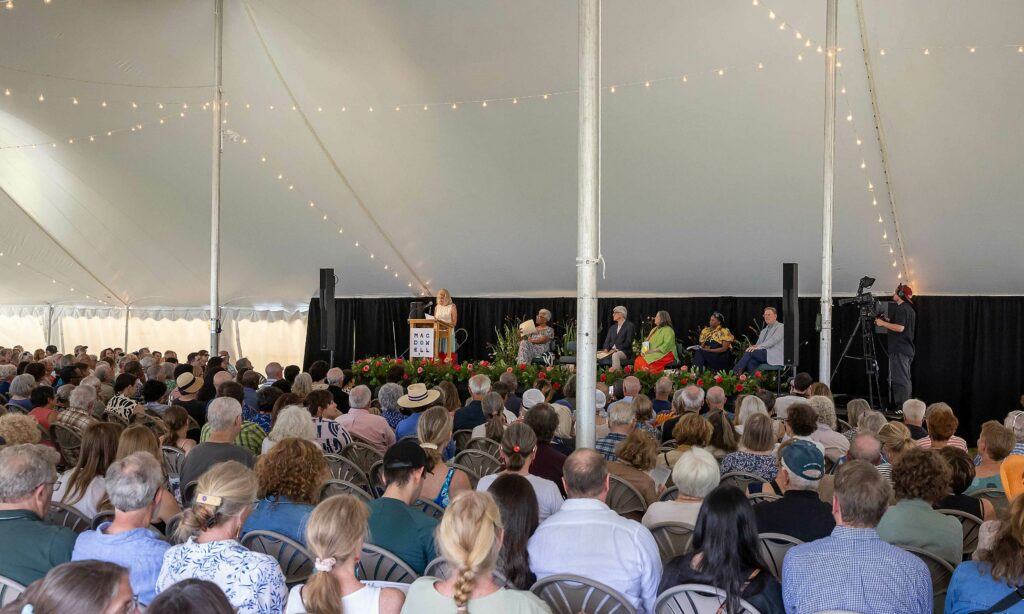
(619, 340)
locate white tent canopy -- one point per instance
(708, 182)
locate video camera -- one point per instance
(869, 306)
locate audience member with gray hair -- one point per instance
(587, 538)
(29, 548)
(835, 444)
(750, 405)
(79, 413)
(387, 396)
(913, 417)
(21, 390)
(7, 373)
(360, 397)
(335, 380)
(224, 415)
(621, 422)
(695, 474)
(472, 415)
(799, 512)
(689, 399)
(867, 447)
(871, 422)
(292, 421)
(134, 488)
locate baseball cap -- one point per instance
(406, 454)
(803, 459)
(908, 293)
(532, 397)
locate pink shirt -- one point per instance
(373, 429)
(954, 442)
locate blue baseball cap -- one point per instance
(803, 459)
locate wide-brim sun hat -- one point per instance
(188, 383)
(418, 396)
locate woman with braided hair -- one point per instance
(253, 582)
(334, 535)
(469, 538)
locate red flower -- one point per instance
(398, 361)
(757, 374)
(627, 369)
(718, 379)
(739, 387)
(484, 363)
(522, 366)
(419, 370)
(406, 376)
(684, 382)
(542, 375)
(603, 378)
(556, 385)
(700, 383)
(743, 377)
(366, 368)
(508, 370)
(377, 364)
(458, 368)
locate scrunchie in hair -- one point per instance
(325, 564)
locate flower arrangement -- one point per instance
(374, 372)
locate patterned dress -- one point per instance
(529, 351)
(253, 582)
(763, 465)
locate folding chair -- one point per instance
(483, 444)
(376, 563)
(481, 463)
(296, 562)
(68, 441)
(363, 455)
(9, 591)
(673, 539)
(774, 547)
(570, 594)
(173, 459)
(971, 525)
(741, 479)
(941, 572)
(343, 487)
(696, 599)
(67, 517)
(345, 469)
(624, 499)
(462, 438)
(430, 508)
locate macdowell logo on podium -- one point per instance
(421, 343)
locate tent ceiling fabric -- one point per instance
(708, 185)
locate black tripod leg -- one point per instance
(846, 348)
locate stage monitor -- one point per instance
(791, 315)
(328, 337)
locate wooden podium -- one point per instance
(425, 336)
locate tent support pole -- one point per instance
(127, 315)
(218, 150)
(49, 323)
(587, 256)
(825, 352)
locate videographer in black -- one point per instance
(901, 343)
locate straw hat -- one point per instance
(419, 396)
(189, 383)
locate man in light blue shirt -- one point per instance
(853, 569)
(769, 348)
(133, 486)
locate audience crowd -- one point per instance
(144, 482)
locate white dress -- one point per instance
(90, 501)
(365, 601)
(549, 498)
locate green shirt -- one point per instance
(912, 522)
(663, 341)
(405, 531)
(250, 437)
(423, 597)
(29, 548)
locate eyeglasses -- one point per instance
(132, 607)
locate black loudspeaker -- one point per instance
(328, 340)
(791, 314)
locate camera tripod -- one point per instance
(865, 326)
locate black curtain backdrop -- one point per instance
(970, 349)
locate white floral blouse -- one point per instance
(253, 582)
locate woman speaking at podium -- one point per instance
(445, 311)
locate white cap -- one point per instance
(532, 397)
(599, 399)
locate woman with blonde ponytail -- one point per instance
(334, 535)
(469, 538)
(441, 483)
(518, 451)
(895, 438)
(252, 582)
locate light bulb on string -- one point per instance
(771, 14)
(927, 52)
(74, 100)
(41, 98)
(807, 43)
(612, 90)
(858, 141)
(863, 164)
(721, 72)
(881, 52)
(972, 49)
(880, 221)
(514, 101)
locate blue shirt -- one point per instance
(607, 444)
(970, 590)
(138, 550)
(252, 415)
(407, 427)
(393, 417)
(280, 516)
(862, 574)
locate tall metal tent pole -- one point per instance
(825, 353)
(218, 149)
(589, 160)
